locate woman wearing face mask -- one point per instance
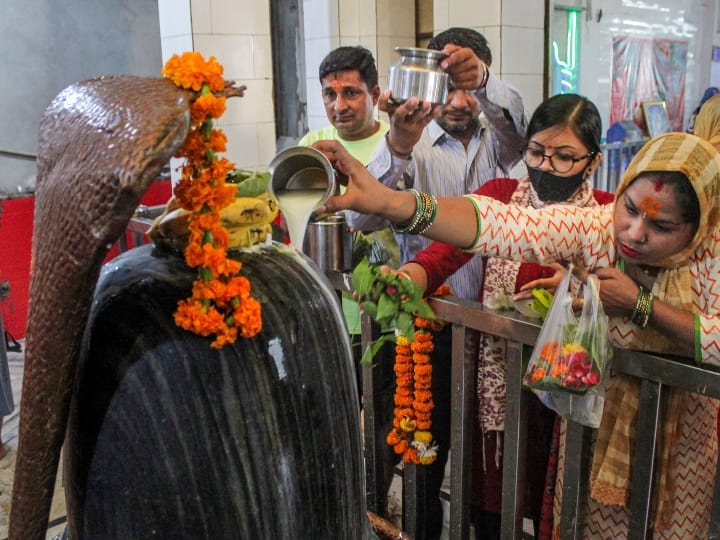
(656, 253)
(562, 151)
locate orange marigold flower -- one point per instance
(423, 369)
(392, 438)
(401, 446)
(549, 350)
(248, 317)
(423, 424)
(190, 70)
(205, 107)
(410, 455)
(403, 401)
(423, 406)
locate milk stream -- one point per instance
(297, 206)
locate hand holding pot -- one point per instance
(407, 121)
(466, 70)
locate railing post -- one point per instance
(514, 445)
(373, 423)
(463, 389)
(643, 463)
(575, 480)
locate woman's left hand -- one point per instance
(617, 290)
(550, 284)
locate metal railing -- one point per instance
(616, 158)
(656, 373)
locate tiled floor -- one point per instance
(7, 464)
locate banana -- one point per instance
(247, 220)
(247, 211)
(248, 235)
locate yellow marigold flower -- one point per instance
(402, 340)
(407, 424)
(424, 437)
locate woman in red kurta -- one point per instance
(563, 149)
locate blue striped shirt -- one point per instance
(442, 166)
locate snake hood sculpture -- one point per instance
(102, 143)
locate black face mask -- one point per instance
(553, 188)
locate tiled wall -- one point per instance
(514, 30)
(238, 35)
(378, 25)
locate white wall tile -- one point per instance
(255, 106)
(471, 13)
(441, 15)
(242, 147)
(262, 57)
(530, 88)
(530, 13)
(235, 53)
(349, 15)
(368, 17)
(397, 18)
(174, 17)
(320, 19)
(246, 17)
(175, 45)
(266, 144)
(200, 13)
(527, 59)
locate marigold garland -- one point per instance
(410, 435)
(220, 303)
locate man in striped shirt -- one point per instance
(449, 150)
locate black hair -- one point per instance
(463, 37)
(687, 198)
(571, 110)
(355, 58)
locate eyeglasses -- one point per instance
(561, 163)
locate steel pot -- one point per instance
(302, 168)
(418, 73)
(329, 243)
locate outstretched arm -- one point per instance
(456, 222)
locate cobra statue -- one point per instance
(162, 436)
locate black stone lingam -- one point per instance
(171, 439)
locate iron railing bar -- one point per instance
(463, 389)
(514, 445)
(643, 461)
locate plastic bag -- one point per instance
(571, 354)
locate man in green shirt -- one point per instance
(350, 92)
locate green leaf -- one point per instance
(372, 349)
(387, 307)
(406, 325)
(363, 278)
(254, 185)
(370, 308)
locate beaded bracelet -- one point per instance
(643, 308)
(426, 208)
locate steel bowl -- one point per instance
(418, 73)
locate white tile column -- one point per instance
(238, 35)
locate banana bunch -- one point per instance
(247, 219)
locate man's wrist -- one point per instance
(397, 152)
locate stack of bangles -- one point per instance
(426, 210)
(643, 308)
